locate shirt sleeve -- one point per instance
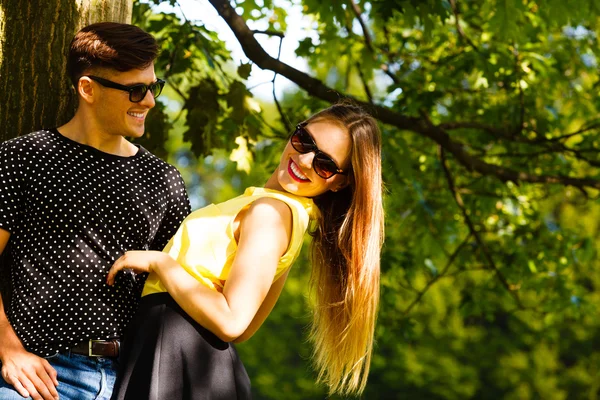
(179, 208)
(11, 182)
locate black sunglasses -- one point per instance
(136, 92)
(303, 143)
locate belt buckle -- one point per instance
(90, 352)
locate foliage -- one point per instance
(489, 283)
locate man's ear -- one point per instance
(85, 89)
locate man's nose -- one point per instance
(148, 100)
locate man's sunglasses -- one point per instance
(303, 143)
(136, 92)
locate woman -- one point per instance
(221, 274)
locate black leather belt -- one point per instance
(98, 348)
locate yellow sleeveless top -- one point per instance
(205, 245)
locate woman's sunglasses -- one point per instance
(136, 92)
(303, 143)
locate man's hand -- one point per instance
(29, 374)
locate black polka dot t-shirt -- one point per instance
(72, 211)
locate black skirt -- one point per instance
(169, 356)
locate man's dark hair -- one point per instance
(111, 45)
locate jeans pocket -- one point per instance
(52, 356)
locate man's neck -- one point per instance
(81, 130)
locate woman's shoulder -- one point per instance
(278, 199)
(270, 209)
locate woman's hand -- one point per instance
(138, 261)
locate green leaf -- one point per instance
(203, 111)
(244, 70)
(532, 267)
(505, 19)
(305, 47)
(236, 100)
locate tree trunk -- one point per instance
(34, 38)
(35, 92)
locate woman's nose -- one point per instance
(306, 160)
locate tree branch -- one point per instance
(463, 270)
(181, 11)
(521, 91)
(459, 202)
(365, 84)
(459, 28)
(269, 33)
(316, 88)
(357, 64)
(577, 132)
(358, 13)
(441, 274)
(474, 125)
(178, 91)
(284, 118)
(551, 145)
(386, 69)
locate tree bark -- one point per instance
(35, 92)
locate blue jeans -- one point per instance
(79, 378)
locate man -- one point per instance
(72, 201)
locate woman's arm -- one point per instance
(265, 308)
(265, 233)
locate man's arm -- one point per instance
(178, 209)
(29, 374)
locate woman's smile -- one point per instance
(296, 173)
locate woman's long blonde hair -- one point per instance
(346, 250)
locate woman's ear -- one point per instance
(341, 185)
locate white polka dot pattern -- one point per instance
(72, 210)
